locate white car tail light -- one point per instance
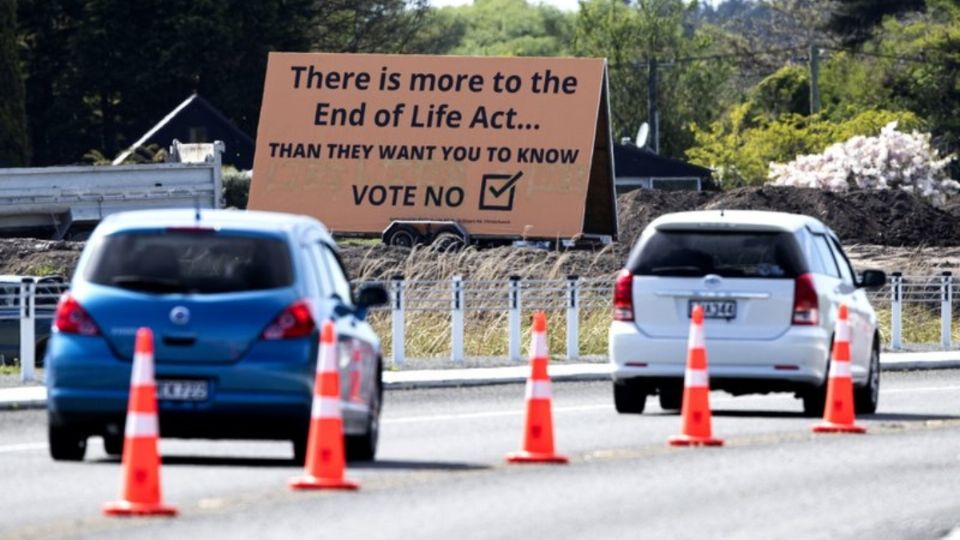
(623, 296)
(806, 305)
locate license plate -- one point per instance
(715, 309)
(182, 390)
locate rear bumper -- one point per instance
(263, 397)
(792, 361)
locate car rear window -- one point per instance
(190, 262)
(770, 255)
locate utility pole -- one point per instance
(653, 112)
(814, 78)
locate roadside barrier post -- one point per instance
(896, 311)
(514, 343)
(456, 319)
(946, 308)
(27, 328)
(573, 317)
(398, 322)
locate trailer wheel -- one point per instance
(402, 236)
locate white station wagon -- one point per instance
(770, 284)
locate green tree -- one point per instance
(629, 37)
(740, 148)
(14, 147)
(99, 73)
(511, 28)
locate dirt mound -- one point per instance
(637, 208)
(888, 217)
(883, 218)
(29, 256)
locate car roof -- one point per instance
(749, 219)
(246, 220)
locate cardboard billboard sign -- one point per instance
(504, 146)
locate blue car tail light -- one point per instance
(71, 318)
(294, 321)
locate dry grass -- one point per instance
(487, 334)
(428, 333)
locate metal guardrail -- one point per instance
(573, 295)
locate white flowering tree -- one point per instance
(891, 160)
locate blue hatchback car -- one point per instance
(233, 299)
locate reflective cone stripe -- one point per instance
(140, 489)
(695, 410)
(538, 432)
(838, 412)
(325, 452)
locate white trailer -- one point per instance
(62, 202)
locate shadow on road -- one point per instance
(418, 465)
(215, 461)
(909, 417)
(761, 414)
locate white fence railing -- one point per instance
(32, 304)
(928, 300)
(457, 296)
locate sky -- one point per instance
(566, 5)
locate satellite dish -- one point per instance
(642, 135)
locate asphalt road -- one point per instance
(441, 474)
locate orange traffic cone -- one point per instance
(697, 430)
(325, 454)
(141, 462)
(538, 437)
(838, 414)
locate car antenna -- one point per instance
(198, 213)
(196, 206)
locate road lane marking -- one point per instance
(24, 447)
(487, 414)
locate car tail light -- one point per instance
(806, 305)
(623, 296)
(293, 322)
(71, 318)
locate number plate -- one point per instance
(182, 390)
(715, 309)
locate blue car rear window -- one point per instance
(190, 262)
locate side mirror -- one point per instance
(872, 279)
(371, 294)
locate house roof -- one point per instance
(194, 100)
(631, 161)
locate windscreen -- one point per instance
(190, 262)
(773, 255)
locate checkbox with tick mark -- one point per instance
(497, 191)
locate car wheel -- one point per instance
(364, 447)
(300, 450)
(629, 397)
(671, 397)
(866, 397)
(65, 443)
(113, 445)
(447, 241)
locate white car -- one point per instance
(770, 284)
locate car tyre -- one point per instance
(300, 450)
(867, 397)
(364, 447)
(113, 445)
(671, 397)
(629, 397)
(66, 444)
